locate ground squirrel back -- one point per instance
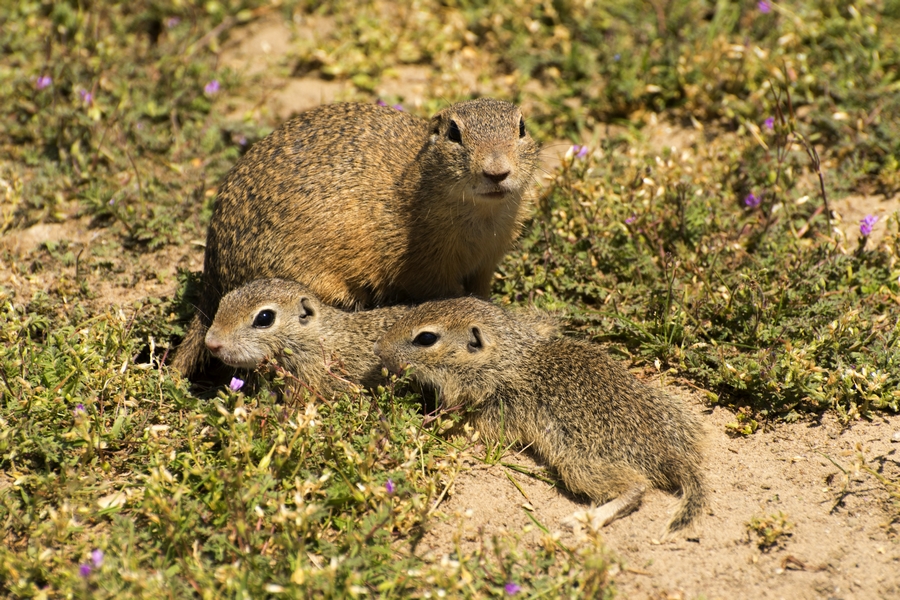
(608, 435)
(369, 206)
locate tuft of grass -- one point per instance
(771, 531)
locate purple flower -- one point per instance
(865, 226)
(752, 201)
(389, 486)
(764, 6)
(172, 22)
(79, 408)
(579, 151)
(380, 102)
(86, 96)
(97, 557)
(512, 588)
(44, 81)
(236, 384)
(770, 123)
(85, 570)
(630, 220)
(617, 57)
(212, 87)
(398, 107)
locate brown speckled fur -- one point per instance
(369, 206)
(606, 433)
(329, 349)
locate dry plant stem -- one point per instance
(546, 530)
(802, 231)
(517, 486)
(817, 163)
(443, 494)
(288, 375)
(137, 176)
(781, 147)
(810, 151)
(844, 491)
(893, 487)
(529, 472)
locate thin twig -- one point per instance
(844, 492)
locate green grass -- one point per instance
(732, 297)
(213, 493)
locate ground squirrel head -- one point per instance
(485, 146)
(261, 319)
(464, 347)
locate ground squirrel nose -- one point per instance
(213, 345)
(496, 177)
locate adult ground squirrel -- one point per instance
(608, 435)
(370, 206)
(325, 347)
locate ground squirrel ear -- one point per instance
(521, 127)
(306, 310)
(476, 339)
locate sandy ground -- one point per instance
(841, 544)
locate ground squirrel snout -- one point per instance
(325, 347)
(370, 206)
(608, 435)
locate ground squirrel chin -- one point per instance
(370, 206)
(607, 435)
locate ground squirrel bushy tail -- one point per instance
(692, 503)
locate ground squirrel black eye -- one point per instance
(425, 339)
(264, 318)
(521, 127)
(453, 133)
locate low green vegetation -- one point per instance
(770, 531)
(741, 288)
(718, 263)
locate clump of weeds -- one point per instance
(771, 531)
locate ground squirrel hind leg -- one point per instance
(619, 488)
(625, 504)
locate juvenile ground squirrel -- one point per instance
(327, 348)
(370, 206)
(608, 435)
